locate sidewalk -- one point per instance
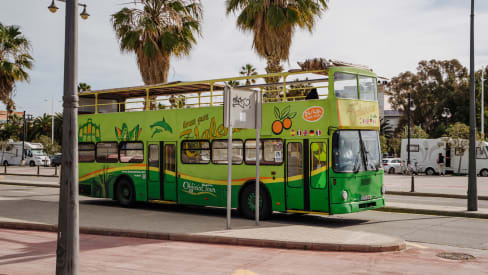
(427, 209)
(31, 252)
(288, 237)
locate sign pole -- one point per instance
(229, 162)
(258, 160)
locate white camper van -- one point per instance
(34, 154)
(424, 154)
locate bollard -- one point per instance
(55, 170)
(38, 168)
(5, 169)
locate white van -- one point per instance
(34, 154)
(424, 154)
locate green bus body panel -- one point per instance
(205, 184)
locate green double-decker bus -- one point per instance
(320, 150)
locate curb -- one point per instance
(197, 238)
(466, 214)
(435, 195)
(30, 175)
(50, 185)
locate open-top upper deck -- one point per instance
(349, 93)
(277, 87)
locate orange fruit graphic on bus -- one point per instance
(277, 127)
(283, 120)
(287, 123)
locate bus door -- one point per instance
(168, 171)
(306, 176)
(153, 183)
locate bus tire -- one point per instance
(247, 202)
(484, 173)
(5, 163)
(32, 163)
(429, 171)
(125, 193)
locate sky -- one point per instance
(390, 36)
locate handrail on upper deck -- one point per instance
(174, 91)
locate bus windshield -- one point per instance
(355, 151)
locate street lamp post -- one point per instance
(52, 119)
(472, 188)
(24, 134)
(483, 102)
(68, 246)
(411, 108)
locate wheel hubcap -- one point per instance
(126, 192)
(251, 202)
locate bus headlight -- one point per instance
(383, 189)
(344, 195)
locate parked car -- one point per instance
(56, 160)
(392, 165)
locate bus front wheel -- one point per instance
(125, 193)
(247, 202)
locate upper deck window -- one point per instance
(345, 85)
(367, 88)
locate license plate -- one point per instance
(365, 197)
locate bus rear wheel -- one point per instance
(247, 202)
(125, 193)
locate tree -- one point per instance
(15, 60)
(155, 30)
(385, 128)
(273, 23)
(384, 144)
(42, 126)
(248, 70)
(233, 83)
(436, 85)
(415, 132)
(58, 128)
(82, 86)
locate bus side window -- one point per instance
(271, 153)
(195, 152)
(86, 152)
(107, 152)
(219, 151)
(131, 152)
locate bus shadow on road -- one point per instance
(277, 219)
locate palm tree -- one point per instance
(233, 83)
(58, 127)
(273, 23)
(82, 86)
(248, 70)
(42, 126)
(15, 59)
(156, 31)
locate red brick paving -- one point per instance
(31, 252)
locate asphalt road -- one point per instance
(33, 204)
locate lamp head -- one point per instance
(52, 8)
(412, 106)
(84, 15)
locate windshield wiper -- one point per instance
(357, 165)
